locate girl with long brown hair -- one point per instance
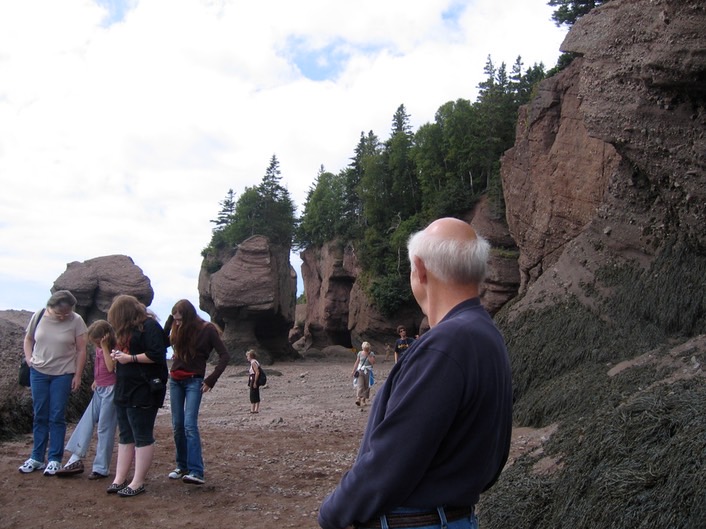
(140, 388)
(192, 339)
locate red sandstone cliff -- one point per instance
(610, 156)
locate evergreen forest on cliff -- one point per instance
(392, 187)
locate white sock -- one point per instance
(73, 459)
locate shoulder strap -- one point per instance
(33, 329)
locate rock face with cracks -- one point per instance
(252, 297)
(96, 282)
(605, 190)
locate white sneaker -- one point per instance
(193, 479)
(177, 473)
(52, 468)
(31, 465)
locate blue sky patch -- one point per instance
(318, 64)
(453, 12)
(116, 9)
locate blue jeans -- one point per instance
(470, 522)
(185, 400)
(50, 394)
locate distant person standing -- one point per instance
(439, 429)
(402, 343)
(253, 379)
(56, 355)
(192, 339)
(100, 412)
(363, 366)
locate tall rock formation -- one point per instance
(605, 191)
(252, 297)
(338, 311)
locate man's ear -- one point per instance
(421, 270)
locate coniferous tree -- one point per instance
(400, 164)
(323, 218)
(352, 177)
(374, 188)
(429, 158)
(246, 220)
(266, 209)
(569, 11)
(225, 215)
(275, 217)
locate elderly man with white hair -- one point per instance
(439, 429)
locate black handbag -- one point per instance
(156, 385)
(24, 374)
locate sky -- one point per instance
(124, 123)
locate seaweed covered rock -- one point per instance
(606, 195)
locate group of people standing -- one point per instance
(131, 379)
(438, 433)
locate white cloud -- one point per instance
(122, 127)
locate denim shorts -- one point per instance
(136, 425)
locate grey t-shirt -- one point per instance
(55, 343)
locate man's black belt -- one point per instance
(422, 519)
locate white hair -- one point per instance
(450, 260)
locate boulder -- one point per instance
(96, 282)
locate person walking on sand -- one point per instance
(100, 411)
(439, 430)
(192, 339)
(362, 369)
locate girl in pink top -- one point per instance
(100, 410)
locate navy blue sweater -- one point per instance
(439, 429)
